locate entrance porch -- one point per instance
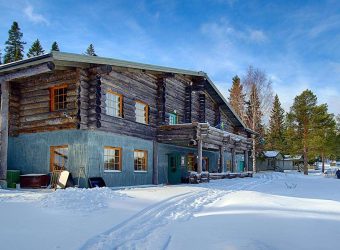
(201, 137)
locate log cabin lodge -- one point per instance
(127, 122)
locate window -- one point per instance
(182, 160)
(58, 97)
(114, 104)
(112, 159)
(205, 164)
(58, 158)
(173, 119)
(191, 163)
(142, 110)
(141, 159)
(229, 166)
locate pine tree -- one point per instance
(90, 51)
(55, 46)
(303, 125)
(323, 140)
(275, 136)
(36, 49)
(237, 97)
(337, 138)
(0, 57)
(14, 50)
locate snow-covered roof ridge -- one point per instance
(271, 154)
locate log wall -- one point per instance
(86, 97)
(175, 98)
(30, 103)
(133, 86)
(228, 126)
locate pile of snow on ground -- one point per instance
(81, 199)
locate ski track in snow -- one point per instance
(146, 229)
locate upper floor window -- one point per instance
(114, 104)
(112, 159)
(173, 119)
(58, 97)
(142, 111)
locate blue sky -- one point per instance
(297, 43)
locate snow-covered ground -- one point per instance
(269, 211)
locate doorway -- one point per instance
(174, 168)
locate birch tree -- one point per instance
(259, 94)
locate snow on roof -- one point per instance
(271, 154)
(297, 157)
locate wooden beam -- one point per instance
(246, 160)
(201, 114)
(27, 72)
(233, 159)
(155, 163)
(103, 69)
(4, 132)
(188, 101)
(160, 104)
(199, 154)
(222, 163)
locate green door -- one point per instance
(241, 166)
(174, 169)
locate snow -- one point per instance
(269, 211)
(271, 154)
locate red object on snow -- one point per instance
(34, 181)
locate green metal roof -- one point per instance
(60, 58)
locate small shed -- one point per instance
(292, 162)
(270, 160)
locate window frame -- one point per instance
(120, 115)
(52, 157)
(52, 96)
(173, 115)
(145, 161)
(191, 158)
(206, 158)
(146, 110)
(119, 149)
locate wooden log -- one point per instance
(222, 161)
(27, 72)
(45, 128)
(35, 99)
(199, 155)
(233, 160)
(48, 115)
(155, 163)
(5, 88)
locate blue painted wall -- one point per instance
(30, 153)
(166, 149)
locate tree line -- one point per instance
(307, 129)
(15, 47)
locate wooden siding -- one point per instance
(30, 103)
(195, 106)
(175, 97)
(228, 126)
(133, 87)
(86, 97)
